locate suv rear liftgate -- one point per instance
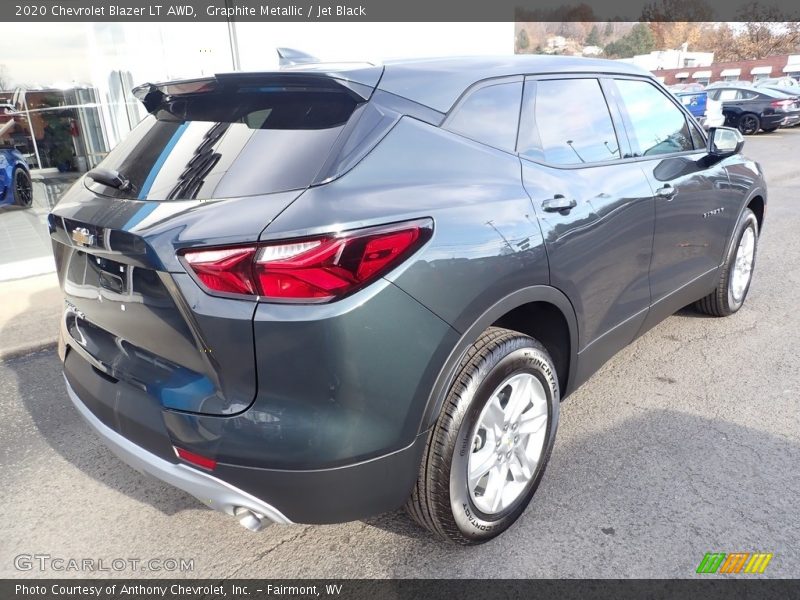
(214, 162)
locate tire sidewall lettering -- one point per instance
(525, 359)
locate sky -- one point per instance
(59, 54)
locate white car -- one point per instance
(714, 115)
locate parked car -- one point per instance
(778, 81)
(754, 109)
(319, 294)
(686, 87)
(735, 82)
(792, 93)
(15, 178)
(707, 112)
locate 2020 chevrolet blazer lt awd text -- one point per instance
(318, 294)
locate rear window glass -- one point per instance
(251, 141)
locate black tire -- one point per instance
(441, 501)
(748, 124)
(722, 302)
(769, 130)
(23, 189)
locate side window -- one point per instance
(659, 127)
(697, 138)
(571, 123)
(728, 95)
(747, 95)
(490, 115)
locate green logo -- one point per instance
(736, 562)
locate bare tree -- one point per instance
(761, 30)
(677, 22)
(754, 39)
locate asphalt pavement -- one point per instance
(686, 442)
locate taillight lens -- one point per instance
(782, 104)
(224, 270)
(315, 269)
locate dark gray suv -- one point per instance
(318, 294)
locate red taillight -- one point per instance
(224, 270)
(196, 459)
(314, 269)
(782, 104)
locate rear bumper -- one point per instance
(131, 424)
(790, 120)
(773, 120)
(333, 436)
(213, 492)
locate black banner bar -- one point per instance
(400, 11)
(712, 588)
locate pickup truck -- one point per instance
(707, 111)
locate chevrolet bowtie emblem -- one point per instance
(82, 237)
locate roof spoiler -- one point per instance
(360, 85)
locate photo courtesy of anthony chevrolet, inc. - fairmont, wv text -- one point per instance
(370, 300)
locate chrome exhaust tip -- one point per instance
(250, 519)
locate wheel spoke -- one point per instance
(480, 463)
(533, 445)
(532, 421)
(494, 417)
(520, 398)
(521, 464)
(495, 485)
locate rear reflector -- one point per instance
(196, 459)
(313, 270)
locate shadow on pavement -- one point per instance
(653, 488)
(658, 488)
(40, 386)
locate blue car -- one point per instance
(15, 179)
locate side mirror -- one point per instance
(724, 142)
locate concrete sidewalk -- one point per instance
(29, 315)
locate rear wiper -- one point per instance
(111, 178)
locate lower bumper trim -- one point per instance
(211, 491)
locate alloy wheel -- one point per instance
(743, 265)
(23, 189)
(748, 125)
(508, 443)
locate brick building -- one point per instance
(747, 70)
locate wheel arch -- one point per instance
(755, 200)
(758, 205)
(540, 311)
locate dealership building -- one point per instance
(69, 85)
(743, 70)
(65, 89)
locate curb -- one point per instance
(7, 354)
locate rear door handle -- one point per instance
(666, 191)
(558, 203)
